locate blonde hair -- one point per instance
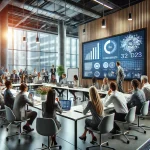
(96, 101)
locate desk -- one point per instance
(74, 116)
(77, 89)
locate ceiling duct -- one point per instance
(44, 12)
(75, 8)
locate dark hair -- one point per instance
(94, 80)
(113, 86)
(118, 63)
(50, 102)
(135, 83)
(64, 74)
(7, 83)
(23, 86)
(76, 77)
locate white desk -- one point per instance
(74, 116)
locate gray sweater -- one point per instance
(19, 105)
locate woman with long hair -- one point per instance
(49, 109)
(95, 105)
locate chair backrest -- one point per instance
(130, 117)
(46, 126)
(145, 108)
(9, 114)
(107, 124)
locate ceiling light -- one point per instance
(24, 39)
(130, 17)
(103, 4)
(37, 39)
(84, 30)
(103, 23)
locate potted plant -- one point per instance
(43, 90)
(60, 71)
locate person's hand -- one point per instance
(129, 90)
(57, 99)
(109, 92)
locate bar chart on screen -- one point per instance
(92, 51)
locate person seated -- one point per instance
(3, 79)
(49, 109)
(95, 105)
(76, 84)
(19, 108)
(53, 79)
(14, 77)
(23, 78)
(42, 73)
(63, 82)
(145, 86)
(105, 84)
(120, 105)
(137, 98)
(8, 96)
(7, 74)
(36, 79)
(34, 74)
(20, 73)
(1, 101)
(95, 83)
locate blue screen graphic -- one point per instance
(100, 56)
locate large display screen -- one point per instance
(100, 56)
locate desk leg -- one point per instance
(67, 94)
(75, 134)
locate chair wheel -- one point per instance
(107, 144)
(30, 137)
(136, 138)
(145, 132)
(18, 140)
(7, 129)
(112, 137)
(1, 126)
(7, 139)
(129, 128)
(87, 148)
(60, 147)
(128, 142)
(42, 144)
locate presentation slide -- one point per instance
(100, 56)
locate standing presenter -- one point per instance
(120, 77)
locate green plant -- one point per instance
(43, 90)
(60, 70)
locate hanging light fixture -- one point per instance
(37, 37)
(24, 37)
(130, 14)
(103, 20)
(83, 17)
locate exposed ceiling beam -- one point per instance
(4, 3)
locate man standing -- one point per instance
(120, 77)
(145, 86)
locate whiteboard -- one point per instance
(71, 72)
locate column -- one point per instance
(62, 42)
(3, 35)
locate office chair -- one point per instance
(130, 117)
(3, 118)
(105, 126)
(47, 127)
(11, 118)
(143, 112)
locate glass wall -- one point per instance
(31, 55)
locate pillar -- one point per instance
(62, 41)
(3, 35)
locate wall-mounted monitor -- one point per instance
(99, 57)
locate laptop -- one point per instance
(39, 82)
(70, 85)
(58, 84)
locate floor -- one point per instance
(66, 137)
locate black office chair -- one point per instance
(105, 126)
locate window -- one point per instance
(31, 55)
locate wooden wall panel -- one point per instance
(117, 23)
